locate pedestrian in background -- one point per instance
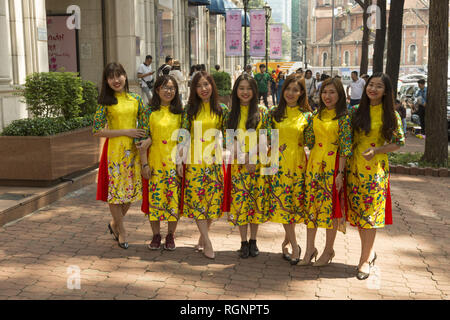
(263, 80)
(310, 83)
(203, 188)
(421, 96)
(273, 87)
(280, 81)
(119, 181)
(377, 130)
(323, 77)
(365, 77)
(249, 197)
(217, 67)
(161, 185)
(328, 136)
(248, 70)
(356, 88)
(400, 108)
(179, 77)
(145, 75)
(166, 67)
(287, 183)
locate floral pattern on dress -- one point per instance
(327, 138)
(124, 170)
(164, 184)
(204, 183)
(286, 186)
(249, 194)
(368, 181)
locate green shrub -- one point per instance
(223, 82)
(405, 159)
(90, 96)
(53, 94)
(46, 126)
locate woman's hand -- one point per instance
(339, 181)
(144, 144)
(135, 133)
(180, 170)
(369, 154)
(146, 172)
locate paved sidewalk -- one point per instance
(413, 261)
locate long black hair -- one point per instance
(279, 113)
(253, 112)
(194, 101)
(113, 69)
(361, 119)
(175, 105)
(341, 104)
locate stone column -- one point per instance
(17, 42)
(35, 21)
(121, 34)
(6, 73)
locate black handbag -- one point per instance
(149, 84)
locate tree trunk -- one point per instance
(436, 141)
(380, 39)
(394, 45)
(365, 40)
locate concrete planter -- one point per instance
(43, 161)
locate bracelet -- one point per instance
(145, 165)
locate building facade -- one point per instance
(103, 31)
(348, 34)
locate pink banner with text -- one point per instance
(234, 33)
(275, 41)
(257, 33)
(62, 45)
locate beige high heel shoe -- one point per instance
(322, 264)
(305, 262)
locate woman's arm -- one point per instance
(110, 133)
(340, 175)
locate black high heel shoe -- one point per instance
(293, 262)
(245, 250)
(254, 251)
(123, 245)
(363, 275)
(112, 232)
(286, 256)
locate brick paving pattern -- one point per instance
(36, 251)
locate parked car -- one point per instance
(407, 90)
(412, 77)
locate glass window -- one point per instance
(193, 35)
(212, 40)
(165, 29)
(324, 59)
(346, 58)
(412, 53)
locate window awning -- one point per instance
(231, 5)
(199, 2)
(216, 7)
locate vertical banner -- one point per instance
(62, 45)
(234, 33)
(257, 33)
(275, 40)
